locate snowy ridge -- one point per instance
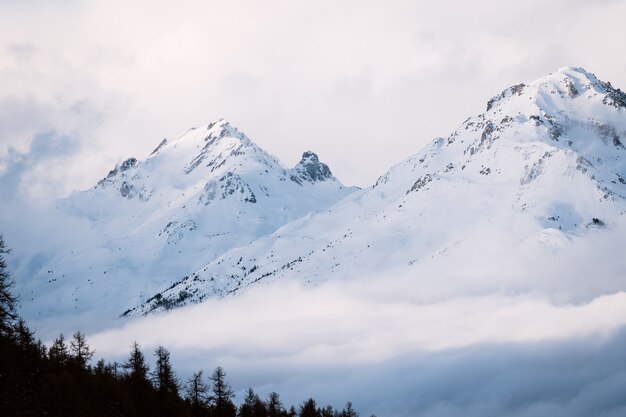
(545, 163)
(155, 220)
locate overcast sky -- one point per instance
(85, 84)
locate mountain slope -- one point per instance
(541, 170)
(153, 221)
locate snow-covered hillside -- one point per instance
(542, 169)
(151, 222)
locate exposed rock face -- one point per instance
(310, 169)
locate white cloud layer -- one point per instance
(331, 325)
(493, 354)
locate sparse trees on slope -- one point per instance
(34, 383)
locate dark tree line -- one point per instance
(61, 380)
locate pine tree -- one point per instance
(100, 369)
(309, 409)
(163, 376)
(27, 379)
(111, 369)
(222, 393)
(8, 312)
(259, 408)
(24, 336)
(141, 398)
(252, 405)
(136, 367)
(58, 352)
(328, 411)
(165, 383)
(80, 350)
(348, 411)
(245, 409)
(274, 406)
(196, 392)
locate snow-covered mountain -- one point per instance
(543, 168)
(154, 221)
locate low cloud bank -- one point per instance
(576, 377)
(518, 355)
(332, 325)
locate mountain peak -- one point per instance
(568, 124)
(223, 127)
(219, 145)
(206, 137)
(570, 81)
(216, 130)
(556, 90)
(310, 169)
(574, 72)
(309, 157)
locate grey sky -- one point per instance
(362, 83)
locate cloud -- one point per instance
(25, 172)
(334, 322)
(578, 377)
(488, 355)
(44, 146)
